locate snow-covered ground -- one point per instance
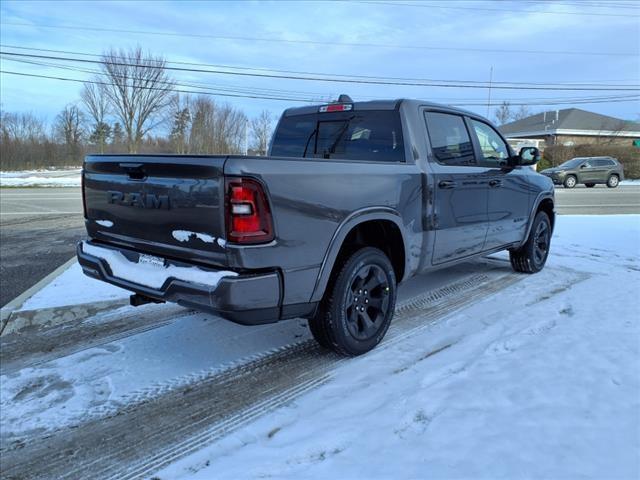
(534, 383)
(541, 380)
(64, 177)
(72, 287)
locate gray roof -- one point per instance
(379, 105)
(568, 119)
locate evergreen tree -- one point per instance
(101, 132)
(181, 122)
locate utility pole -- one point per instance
(489, 99)
(246, 137)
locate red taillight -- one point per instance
(84, 198)
(248, 217)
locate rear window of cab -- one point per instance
(370, 135)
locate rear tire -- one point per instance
(613, 181)
(531, 257)
(358, 305)
(570, 181)
(589, 185)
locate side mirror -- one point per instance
(584, 165)
(528, 156)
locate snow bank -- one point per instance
(41, 178)
(152, 275)
(539, 381)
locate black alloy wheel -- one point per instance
(367, 303)
(532, 256)
(541, 243)
(358, 303)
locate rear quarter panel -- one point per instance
(314, 201)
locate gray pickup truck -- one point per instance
(353, 198)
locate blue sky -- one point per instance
(525, 41)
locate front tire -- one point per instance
(358, 305)
(570, 181)
(531, 257)
(613, 181)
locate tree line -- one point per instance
(121, 110)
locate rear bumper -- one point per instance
(248, 299)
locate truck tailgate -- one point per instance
(168, 205)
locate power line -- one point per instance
(76, 80)
(602, 83)
(585, 3)
(318, 42)
(574, 101)
(333, 80)
(312, 97)
(449, 6)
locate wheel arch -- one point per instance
(545, 203)
(359, 229)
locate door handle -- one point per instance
(495, 183)
(447, 184)
(135, 171)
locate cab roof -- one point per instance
(379, 105)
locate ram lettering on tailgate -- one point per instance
(139, 200)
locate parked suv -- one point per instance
(587, 170)
(354, 198)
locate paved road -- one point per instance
(598, 200)
(40, 226)
(26, 203)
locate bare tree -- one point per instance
(96, 101)
(23, 142)
(21, 126)
(139, 89)
(261, 129)
(201, 136)
(69, 128)
(69, 125)
(503, 113)
(523, 112)
(230, 130)
(216, 128)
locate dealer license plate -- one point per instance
(151, 260)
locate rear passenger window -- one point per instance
(604, 163)
(449, 139)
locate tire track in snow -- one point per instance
(18, 351)
(164, 424)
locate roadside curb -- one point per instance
(17, 302)
(13, 320)
(22, 320)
